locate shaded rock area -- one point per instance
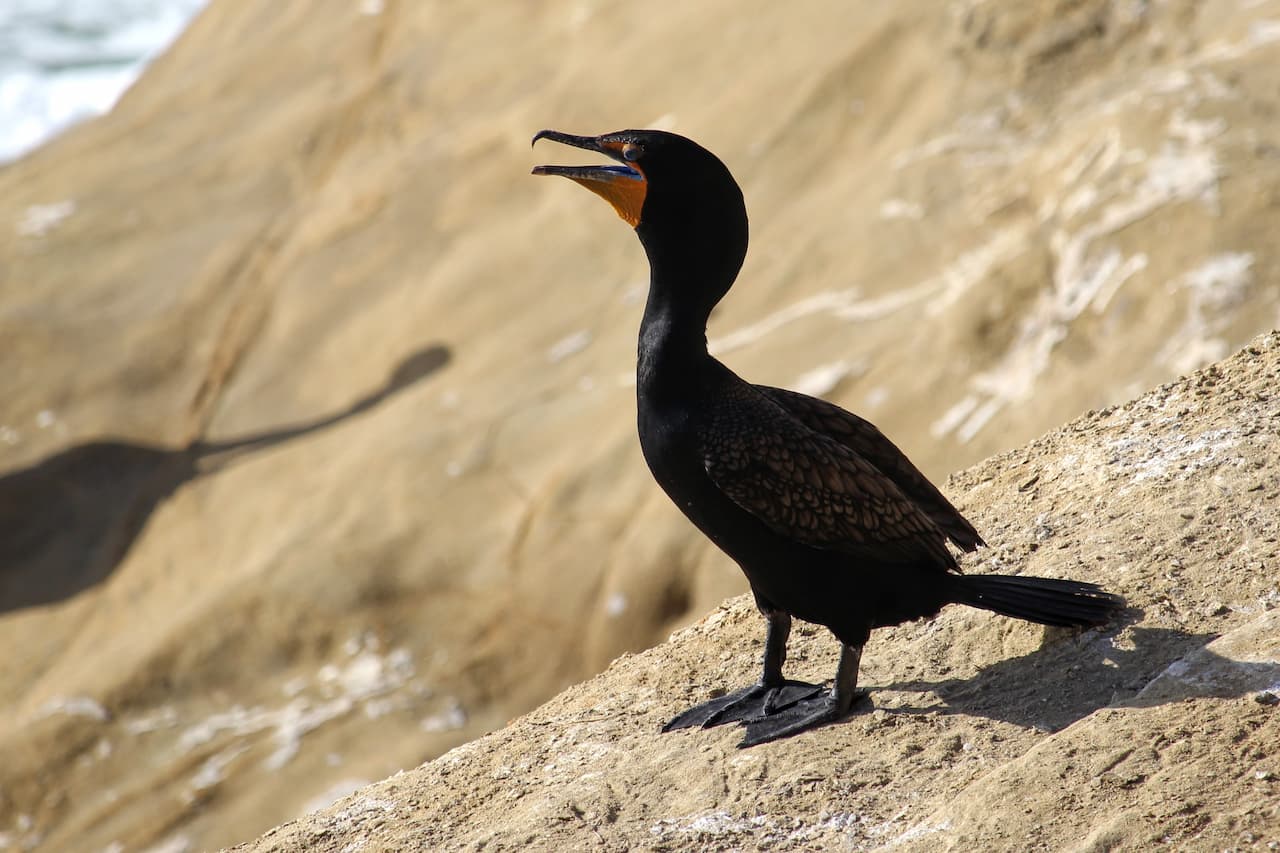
(317, 451)
(1162, 730)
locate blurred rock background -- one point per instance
(317, 450)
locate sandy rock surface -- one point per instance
(985, 733)
(317, 451)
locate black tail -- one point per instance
(1044, 600)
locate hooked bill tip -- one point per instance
(546, 133)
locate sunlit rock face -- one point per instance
(317, 449)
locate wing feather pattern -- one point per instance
(810, 487)
(865, 439)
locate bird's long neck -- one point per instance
(673, 341)
(673, 332)
(694, 256)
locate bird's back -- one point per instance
(807, 485)
(868, 442)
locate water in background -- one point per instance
(62, 61)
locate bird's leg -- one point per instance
(815, 710)
(770, 696)
(779, 693)
(775, 646)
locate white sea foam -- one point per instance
(62, 61)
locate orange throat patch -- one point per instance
(624, 193)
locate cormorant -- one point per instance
(830, 522)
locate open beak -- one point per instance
(623, 185)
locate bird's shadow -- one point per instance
(68, 520)
(1062, 682)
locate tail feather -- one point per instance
(1047, 601)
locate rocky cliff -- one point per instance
(316, 433)
(1161, 730)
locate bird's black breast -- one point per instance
(669, 442)
(818, 534)
(741, 466)
(673, 419)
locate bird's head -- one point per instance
(685, 206)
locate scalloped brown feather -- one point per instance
(867, 441)
(810, 487)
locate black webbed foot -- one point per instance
(749, 703)
(800, 716)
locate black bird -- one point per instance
(830, 522)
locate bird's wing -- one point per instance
(864, 439)
(811, 488)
